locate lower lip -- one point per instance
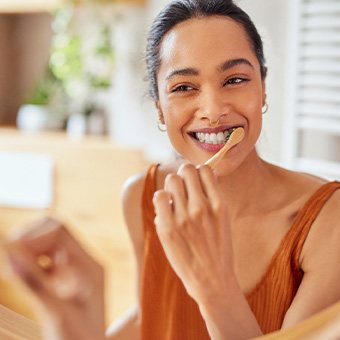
(209, 147)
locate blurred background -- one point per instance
(72, 89)
(80, 64)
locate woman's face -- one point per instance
(209, 73)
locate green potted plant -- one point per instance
(78, 75)
(38, 111)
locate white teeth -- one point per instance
(220, 138)
(213, 138)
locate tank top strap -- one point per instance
(149, 189)
(298, 233)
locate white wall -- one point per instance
(134, 116)
(272, 20)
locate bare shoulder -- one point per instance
(294, 190)
(132, 200)
(328, 220)
(294, 186)
(303, 181)
(132, 190)
(132, 209)
(134, 185)
(132, 206)
(322, 244)
(319, 258)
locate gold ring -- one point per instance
(44, 262)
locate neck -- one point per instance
(244, 188)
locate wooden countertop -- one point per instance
(89, 174)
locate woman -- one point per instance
(233, 253)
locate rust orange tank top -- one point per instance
(169, 313)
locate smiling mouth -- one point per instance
(219, 138)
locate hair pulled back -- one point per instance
(178, 11)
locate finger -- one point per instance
(162, 202)
(39, 236)
(28, 271)
(217, 207)
(49, 240)
(197, 200)
(192, 181)
(210, 186)
(174, 244)
(174, 185)
(63, 284)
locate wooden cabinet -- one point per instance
(26, 6)
(24, 44)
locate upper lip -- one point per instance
(215, 129)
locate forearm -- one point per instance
(228, 316)
(126, 327)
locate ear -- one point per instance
(160, 114)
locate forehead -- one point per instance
(209, 39)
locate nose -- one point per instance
(213, 106)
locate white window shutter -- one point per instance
(314, 88)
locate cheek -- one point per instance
(251, 99)
(251, 107)
(176, 114)
(176, 119)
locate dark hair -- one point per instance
(178, 11)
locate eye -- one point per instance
(235, 81)
(182, 88)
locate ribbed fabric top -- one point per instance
(169, 313)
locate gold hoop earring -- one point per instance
(161, 126)
(265, 108)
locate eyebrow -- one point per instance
(234, 62)
(190, 71)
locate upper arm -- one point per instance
(320, 261)
(133, 214)
(127, 326)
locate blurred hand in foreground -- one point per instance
(68, 283)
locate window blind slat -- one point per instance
(330, 51)
(312, 108)
(325, 36)
(331, 126)
(319, 22)
(316, 104)
(320, 95)
(320, 65)
(325, 7)
(319, 80)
